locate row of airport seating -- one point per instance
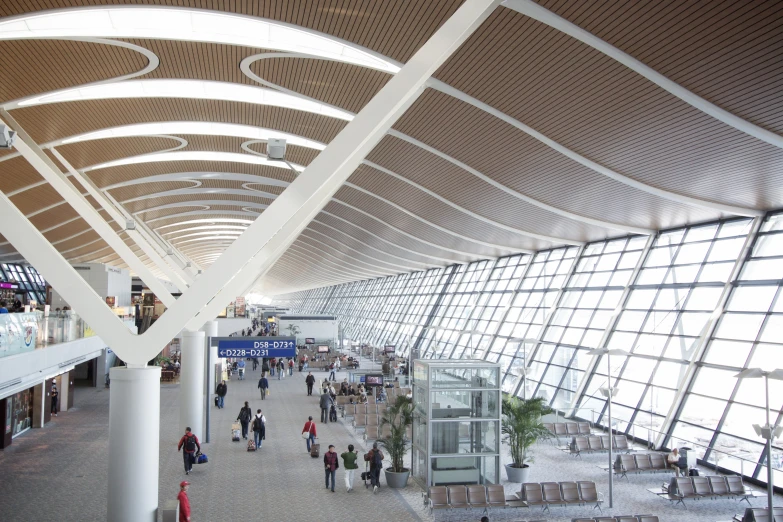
(711, 487)
(564, 429)
(470, 497)
(759, 515)
(546, 494)
(641, 463)
(597, 443)
(621, 518)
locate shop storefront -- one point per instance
(17, 415)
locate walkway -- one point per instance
(59, 472)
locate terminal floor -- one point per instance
(59, 472)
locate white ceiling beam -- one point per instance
(51, 173)
(178, 279)
(533, 10)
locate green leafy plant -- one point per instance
(398, 416)
(522, 426)
(293, 330)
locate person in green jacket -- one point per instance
(349, 465)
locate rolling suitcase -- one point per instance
(236, 432)
(217, 400)
(315, 450)
(251, 445)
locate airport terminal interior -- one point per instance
(525, 257)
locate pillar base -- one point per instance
(134, 444)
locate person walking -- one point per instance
(331, 374)
(221, 390)
(350, 466)
(290, 367)
(272, 367)
(255, 363)
(259, 428)
(188, 444)
(326, 401)
(184, 502)
(263, 385)
(54, 394)
(309, 428)
(310, 381)
(264, 366)
(245, 414)
(375, 458)
(280, 369)
(306, 362)
(241, 367)
(331, 464)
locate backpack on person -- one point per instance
(257, 424)
(190, 443)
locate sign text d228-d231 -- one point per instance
(257, 347)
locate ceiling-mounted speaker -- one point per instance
(130, 224)
(275, 149)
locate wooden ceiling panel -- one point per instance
(213, 143)
(134, 191)
(361, 235)
(36, 66)
(396, 237)
(437, 214)
(110, 176)
(67, 230)
(78, 241)
(730, 53)
(163, 222)
(147, 216)
(16, 173)
(87, 153)
(59, 120)
(395, 28)
(516, 160)
(37, 198)
(137, 206)
(347, 86)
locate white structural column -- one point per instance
(191, 382)
(134, 444)
(51, 173)
(117, 215)
(210, 329)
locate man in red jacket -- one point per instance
(184, 502)
(331, 463)
(188, 444)
(309, 428)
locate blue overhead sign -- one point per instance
(257, 347)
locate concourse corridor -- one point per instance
(62, 468)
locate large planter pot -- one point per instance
(397, 480)
(517, 474)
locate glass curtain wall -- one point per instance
(30, 281)
(686, 305)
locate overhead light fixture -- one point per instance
(275, 149)
(7, 137)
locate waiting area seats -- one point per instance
(546, 494)
(470, 497)
(759, 515)
(597, 443)
(641, 463)
(711, 487)
(621, 518)
(566, 429)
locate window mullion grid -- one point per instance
(478, 293)
(441, 293)
(581, 388)
(686, 384)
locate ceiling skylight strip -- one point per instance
(195, 155)
(193, 25)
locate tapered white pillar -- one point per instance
(210, 329)
(134, 452)
(191, 382)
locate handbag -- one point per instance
(305, 435)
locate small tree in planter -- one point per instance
(293, 330)
(522, 427)
(398, 416)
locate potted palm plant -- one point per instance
(398, 417)
(522, 427)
